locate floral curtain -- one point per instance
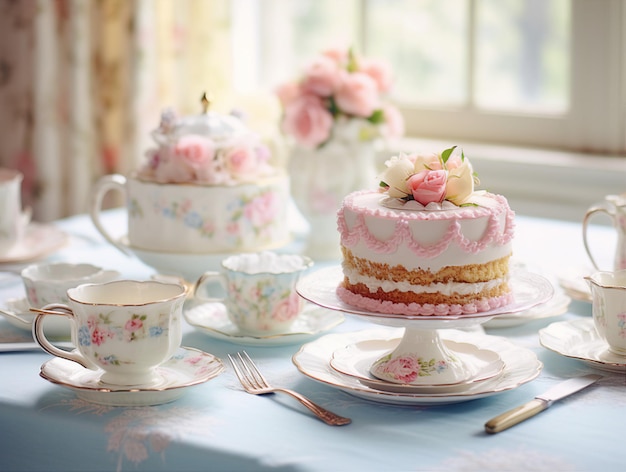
(82, 83)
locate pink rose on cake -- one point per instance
(427, 179)
(338, 85)
(428, 186)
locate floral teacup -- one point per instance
(260, 290)
(125, 328)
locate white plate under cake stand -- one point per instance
(421, 344)
(187, 368)
(578, 339)
(520, 366)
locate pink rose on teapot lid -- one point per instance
(209, 148)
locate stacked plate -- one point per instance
(343, 360)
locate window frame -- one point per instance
(595, 120)
(594, 123)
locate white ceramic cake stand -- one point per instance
(422, 358)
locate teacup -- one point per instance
(608, 291)
(12, 219)
(126, 328)
(259, 288)
(49, 282)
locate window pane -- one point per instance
(425, 41)
(522, 55)
(296, 31)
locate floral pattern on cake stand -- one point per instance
(421, 358)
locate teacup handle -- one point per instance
(590, 212)
(42, 340)
(107, 183)
(206, 278)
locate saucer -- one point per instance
(574, 284)
(212, 319)
(188, 265)
(55, 326)
(579, 339)
(556, 306)
(188, 367)
(39, 240)
(356, 359)
(529, 290)
(520, 366)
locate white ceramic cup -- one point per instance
(608, 291)
(12, 220)
(126, 328)
(49, 282)
(258, 290)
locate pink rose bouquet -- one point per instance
(339, 86)
(432, 178)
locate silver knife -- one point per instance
(539, 403)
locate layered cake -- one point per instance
(427, 243)
(208, 187)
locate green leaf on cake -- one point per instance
(445, 155)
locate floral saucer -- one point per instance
(188, 367)
(212, 319)
(18, 314)
(520, 366)
(556, 306)
(39, 240)
(356, 359)
(579, 339)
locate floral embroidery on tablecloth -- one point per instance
(497, 460)
(137, 433)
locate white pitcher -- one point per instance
(615, 207)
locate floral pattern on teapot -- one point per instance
(256, 214)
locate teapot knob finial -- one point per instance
(205, 102)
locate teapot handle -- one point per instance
(108, 183)
(590, 212)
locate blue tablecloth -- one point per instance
(217, 426)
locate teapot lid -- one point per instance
(218, 127)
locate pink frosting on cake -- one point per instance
(387, 307)
(402, 233)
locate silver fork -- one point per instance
(253, 382)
